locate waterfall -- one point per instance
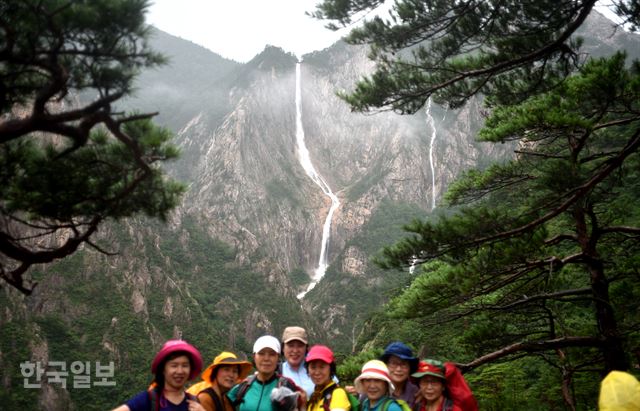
(305, 161)
(431, 122)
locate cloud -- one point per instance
(240, 29)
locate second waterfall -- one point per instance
(305, 161)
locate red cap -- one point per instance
(320, 352)
(430, 367)
(172, 346)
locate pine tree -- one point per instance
(68, 159)
(452, 50)
(540, 240)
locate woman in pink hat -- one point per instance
(321, 366)
(375, 384)
(174, 365)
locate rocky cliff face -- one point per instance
(249, 188)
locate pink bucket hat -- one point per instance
(172, 346)
(377, 370)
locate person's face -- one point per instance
(319, 372)
(266, 361)
(176, 372)
(294, 352)
(398, 369)
(227, 377)
(374, 389)
(431, 388)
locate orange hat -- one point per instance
(227, 358)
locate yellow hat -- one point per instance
(227, 358)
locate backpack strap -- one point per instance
(326, 397)
(448, 404)
(153, 399)
(214, 396)
(387, 402)
(244, 386)
(242, 390)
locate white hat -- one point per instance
(266, 341)
(374, 369)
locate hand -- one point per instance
(302, 400)
(351, 390)
(195, 406)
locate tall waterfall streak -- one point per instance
(412, 267)
(305, 161)
(431, 122)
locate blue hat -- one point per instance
(401, 351)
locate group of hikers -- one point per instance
(305, 380)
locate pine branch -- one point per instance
(532, 347)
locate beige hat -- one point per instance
(294, 333)
(377, 370)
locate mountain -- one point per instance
(246, 239)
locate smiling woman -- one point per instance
(327, 395)
(240, 29)
(375, 384)
(225, 371)
(174, 365)
(260, 391)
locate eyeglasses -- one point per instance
(398, 364)
(430, 382)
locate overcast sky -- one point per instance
(240, 29)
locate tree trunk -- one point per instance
(567, 376)
(612, 350)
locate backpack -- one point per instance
(458, 389)
(205, 386)
(196, 389)
(244, 386)
(154, 398)
(326, 399)
(214, 396)
(388, 401)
